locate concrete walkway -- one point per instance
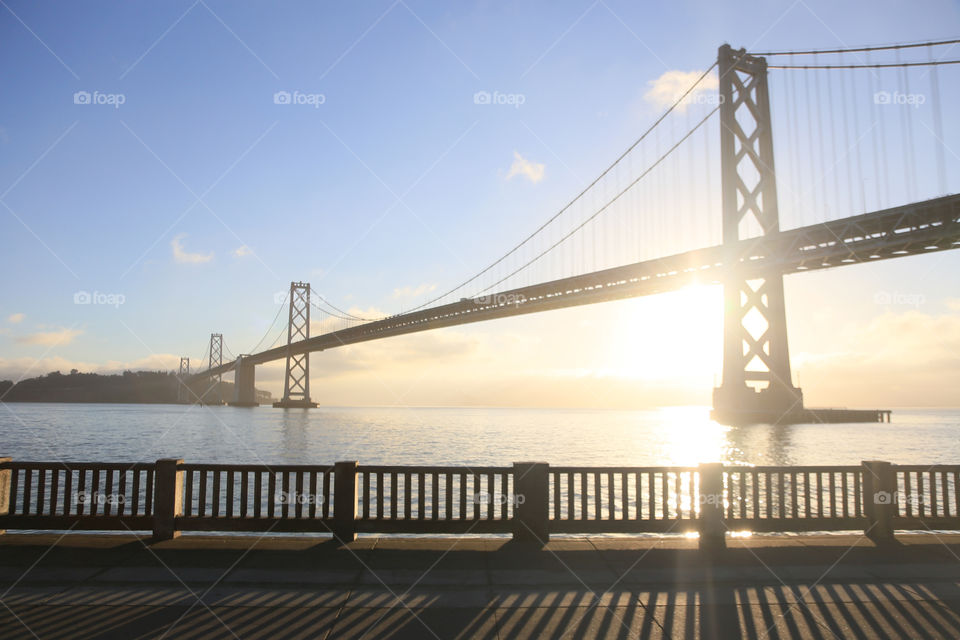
(225, 587)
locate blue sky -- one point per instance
(397, 180)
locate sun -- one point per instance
(675, 336)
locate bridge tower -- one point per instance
(296, 386)
(756, 385)
(183, 391)
(216, 359)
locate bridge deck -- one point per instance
(922, 227)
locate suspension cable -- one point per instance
(884, 65)
(673, 106)
(884, 47)
(604, 207)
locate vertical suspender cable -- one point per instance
(834, 158)
(820, 134)
(906, 134)
(937, 127)
(875, 134)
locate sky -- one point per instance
(182, 162)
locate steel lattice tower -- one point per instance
(182, 388)
(756, 361)
(296, 386)
(216, 359)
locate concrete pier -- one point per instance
(244, 392)
(467, 587)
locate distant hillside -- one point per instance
(128, 387)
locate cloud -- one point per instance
(668, 88)
(532, 171)
(50, 338)
(14, 318)
(183, 257)
(242, 251)
(413, 292)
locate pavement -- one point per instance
(122, 586)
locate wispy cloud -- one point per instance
(50, 338)
(532, 171)
(185, 257)
(413, 292)
(15, 318)
(668, 88)
(242, 251)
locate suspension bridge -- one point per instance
(860, 175)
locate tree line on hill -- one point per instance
(126, 387)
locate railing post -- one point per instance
(5, 496)
(712, 528)
(345, 500)
(168, 498)
(879, 499)
(531, 499)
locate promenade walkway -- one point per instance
(388, 587)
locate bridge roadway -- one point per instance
(922, 227)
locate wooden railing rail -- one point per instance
(530, 500)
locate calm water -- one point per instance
(670, 436)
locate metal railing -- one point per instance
(529, 500)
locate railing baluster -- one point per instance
(94, 491)
(808, 493)
(611, 494)
(638, 490)
(463, 495)
(651, 496)
(584, 510)
(448, 498)
(328, 489)
(67, 490)
(271, 494)
(244, 493)
(664, 495)
(933, 494)
(257, 493)
(394, 495)
(215, 512)
(314, 497)
(597, 496)
(422, 495)
(625, 495)
(229, 501)
(755, 479)
(857, 503)
(148, 495)
(121, 491)
(41, 490)
(407, 495)
(921, 506)
(490, 507)
(945, 494)
(81, 490)
(556, 494)
(844, 489)
(794, 507)
(906, 490)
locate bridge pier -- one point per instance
(244, 392)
